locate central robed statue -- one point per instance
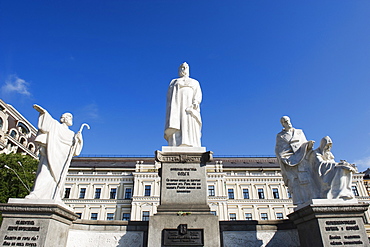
(183, 120)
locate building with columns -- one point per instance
(128, 188)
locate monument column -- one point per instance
(183, 216)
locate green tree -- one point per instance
(10, 185)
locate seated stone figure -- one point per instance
(334, 179)
(292, 150)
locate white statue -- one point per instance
(58, 144)
(291, 150)
(334, 179)
(183, 120)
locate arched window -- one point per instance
(13, 134)
(23, 128)
(31, 147)
(1, 123)
(23, 141)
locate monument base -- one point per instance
(183, 217)
(184, 230)
(38, 223)
(331, 224)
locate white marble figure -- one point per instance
(183, 120)
(334, 179)
(291, 150)
(58, 144)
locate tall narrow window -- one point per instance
(355, 191)
(261, 194)
(264, 216)
(248, 216)
(82, 193)
(113, 193)
(97, 193)
(110, 216)
(211, 190)
(128, 193)
(279, 216)
(275, 193)
(232, 216)
(126, 216)
(230, 193)
(145, 216)
(289, 195)
(245, 193)
(147, 190)
(67, 192)
(94, 216)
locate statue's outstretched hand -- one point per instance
(39, 108)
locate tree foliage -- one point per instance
(10, 185)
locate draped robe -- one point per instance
(57, 147)
(183, 122)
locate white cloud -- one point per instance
(362, 164)
(14, 84)
(91, 111)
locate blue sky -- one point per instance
(110, 63)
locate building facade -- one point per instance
(17, 135)
(128, 188)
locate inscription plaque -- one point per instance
(182, 236)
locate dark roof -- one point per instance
(130, 162)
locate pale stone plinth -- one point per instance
(35, 223)
(184, 214)
(208, 223)
(322, 225)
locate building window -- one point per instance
(147, 190)
(79, 215)
(94, 216)
(211, 190)
(275, 193)
(110, 216)
(67, 192)
(232, 216)
(245, 193)
(126, 216)
(248, 216)
(97, 193)
(289, 195)
(1, 123)
(145, 216)
(355, 191)
(13, 134)
(113, 193)
(279, 216)
(23, 128)
(261, 194)
(82, 193)
(128, 193)
(214, 212)
(230, 193)
(264, 216)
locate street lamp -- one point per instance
(7, 167)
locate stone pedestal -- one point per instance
(40, 223)
(183, 217)
(326, 224)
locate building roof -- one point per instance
(130, 162)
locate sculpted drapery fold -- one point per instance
(183, 120)
(58, 144)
